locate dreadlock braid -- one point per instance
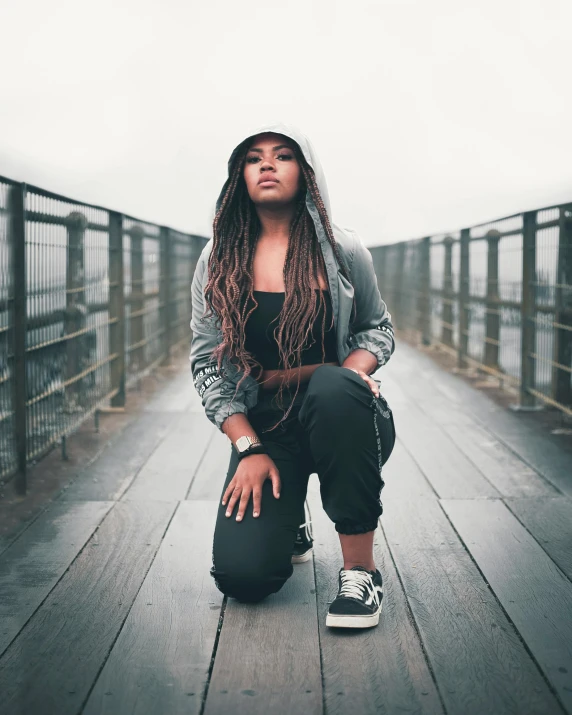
(229, 288)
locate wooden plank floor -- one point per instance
(107, 605)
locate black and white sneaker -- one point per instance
(304, 540)
(359, 600)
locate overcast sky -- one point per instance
(428, 115)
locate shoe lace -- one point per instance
(355, 584)
(304, 532)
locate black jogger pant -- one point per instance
(337, 428)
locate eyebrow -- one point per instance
(275, 148)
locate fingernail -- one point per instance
(223, 503)
(278, 495)
(238, 518)
(255, 513)
(227, 513)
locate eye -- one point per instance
(255, 159)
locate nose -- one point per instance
(266, 165)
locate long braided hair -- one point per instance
(229, 289)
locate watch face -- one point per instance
(242, 443)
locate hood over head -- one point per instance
(309, 153)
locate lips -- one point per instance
(264, 179)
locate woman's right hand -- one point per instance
(251, 473)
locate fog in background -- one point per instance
(428, 115)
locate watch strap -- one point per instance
(256, 448)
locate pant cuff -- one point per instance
(349, 528)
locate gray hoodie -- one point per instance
(371, 330)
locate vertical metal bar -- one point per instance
(393, 260)
(165, 293)
(379, 254)
(409, 276)
(116, 308)
(424, 297)
(195, 251)
(399, 288)
(447, 325)
(562, 387)
(492, 318)
(197, 245)
(137, 358)
(464, 287)
(376, 258)
(382, 281)
(528, 309)
(76, 309)
(19, 318)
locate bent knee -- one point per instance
(325, 373)
(329, 386)
(248, 587)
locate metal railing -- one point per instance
(90, 301)
(498, 296)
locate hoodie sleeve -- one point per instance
(372, 329)
(215, 387)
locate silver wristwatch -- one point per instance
(243, 443)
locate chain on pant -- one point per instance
(338, 429)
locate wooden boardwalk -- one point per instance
(107, 606)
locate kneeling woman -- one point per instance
(288, 324)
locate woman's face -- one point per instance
(271, 170)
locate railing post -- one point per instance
(399, 288)
(116, 308)
(19, 318)
(492, 335)
(76, 308)
(447, 323)
(165, 293)
(528, 309)
(562, 388)
(195, 252)
(137, 326)
(382, 280)
(424, 294)
(389, 280)
(196, 249)
(464, 288)
(409, 302)
(375, 254)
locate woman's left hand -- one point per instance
(374, 387)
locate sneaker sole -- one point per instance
(302, 558)
(338, 621)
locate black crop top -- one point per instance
(259, 339)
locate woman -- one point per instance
(288, 324)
